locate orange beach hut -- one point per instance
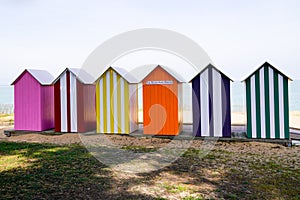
(162, 102)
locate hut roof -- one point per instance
(123, 73)
(269, 65)
(80, 74)
(215, 68)
(150, 68)
(42, 76)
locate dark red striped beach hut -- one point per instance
(74, 102)
(211, 103)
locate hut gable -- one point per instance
(161, 73)
(267, 64)
(267, 103)
(211, 103)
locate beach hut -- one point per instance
(33, 101)
(267, 99)
(116, 102)
(211, 103)
(74, 101)
(162, 102)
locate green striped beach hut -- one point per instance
(267, 99)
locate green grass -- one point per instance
(6, 115)
(171, 188)
(139, 149)
(31, 171)
(46, 171)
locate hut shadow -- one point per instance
(45, 171)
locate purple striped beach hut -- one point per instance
(33, 101)
(211, 103)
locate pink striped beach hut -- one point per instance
(33, 101)
(74, 101)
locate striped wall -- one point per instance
(267, 104)
(116, 104)
(65, 90)
(211, 104)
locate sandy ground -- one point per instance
(6, 120)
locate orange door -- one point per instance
(160, 103)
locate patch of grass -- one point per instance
(6, 115)
(38, 171)
(192, 198)
(175, 188)
(46, 171)
(139, 149)
(231, 196)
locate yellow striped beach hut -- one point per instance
(116, 102)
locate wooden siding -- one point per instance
(161, 112)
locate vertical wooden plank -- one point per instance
(111, 109)
(253, 106)
(204, 106)
(276, 105)
(57, 115)
(211, 100)
(281, 107)
(226, 107)
(286, 108)
(68, 103)
(267, 101)
(81, 119)
(249, 108)
(262, 103)
(217, 103)
(272, 104)
(126, 106)
(119, 103)
(98, 106)
(73, 103)
(104, 103)
(257, 95)
(196, 106)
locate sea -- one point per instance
(238, 97)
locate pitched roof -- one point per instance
(80, 74)
(266, 64)
(150, 68)
(123, 73)
(42, 76)
(215, 68)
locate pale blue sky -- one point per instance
(237, 35)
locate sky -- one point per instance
(238, 36)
